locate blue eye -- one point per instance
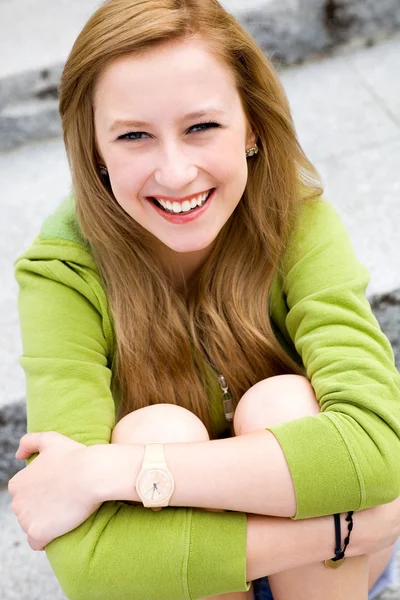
(135, 135)
(131, 135)
(205, 126)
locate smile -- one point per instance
(177, 214)
(183, 207)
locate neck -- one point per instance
(181, 266)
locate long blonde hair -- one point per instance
(164, 339)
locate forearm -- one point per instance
(247, 473)
(277, 544)
(274, 544)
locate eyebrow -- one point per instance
(193, 115)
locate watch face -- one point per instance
(155, 485)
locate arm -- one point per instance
(346, 457)
(275, 545)
(120, 551)
(225, 474)
(353, 445)
(278, 544)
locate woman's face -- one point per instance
(170, 126)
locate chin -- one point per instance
(187, 248)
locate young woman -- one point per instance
(197, 291)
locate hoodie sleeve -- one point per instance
(346, 457)
(122, 551)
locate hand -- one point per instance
(54, 494)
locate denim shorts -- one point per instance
(262, 590)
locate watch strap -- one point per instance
(153, 453)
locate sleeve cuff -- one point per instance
(323, 473)
(217, 547)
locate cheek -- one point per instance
(232, 170)
(229, 160)
(125, 182)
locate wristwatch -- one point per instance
(155, 483)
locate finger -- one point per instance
(34, 544)
(29, 444)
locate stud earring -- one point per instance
(103, 170)
(252, 151)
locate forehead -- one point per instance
(174, 74)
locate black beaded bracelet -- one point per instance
(338, 559)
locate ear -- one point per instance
(251, 139)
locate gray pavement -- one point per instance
(347, 113)
(36, 37)
(37, 34)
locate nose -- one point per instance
(174, 170)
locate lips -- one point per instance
(184, 207)
(182, 217)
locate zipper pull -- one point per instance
(226, 398)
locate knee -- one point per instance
(273, 401)
(164, 423)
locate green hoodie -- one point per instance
(344, 458)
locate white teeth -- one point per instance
(186, 206)
(176, 207)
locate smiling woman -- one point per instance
(174, 158)
(197, 296)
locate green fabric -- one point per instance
(345, 458)
(342, 459)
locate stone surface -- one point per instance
(339, 115)
(37, 34)
(12, 428)
(372, 68)
(24, 574)
(386, 308)
(289, 31)
(27, 120)
(366, 187)
(351, 132)
(36, 179)
(29, 106)
(347, 18)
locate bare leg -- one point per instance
(277, 400)
(166, 423)
(270, 402)
(377, 564)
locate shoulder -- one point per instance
(63, 223)
(57, 272)
(316, 217)
(317, 232)
(60, 239)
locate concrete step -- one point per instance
(24, 574)
(36, 36)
